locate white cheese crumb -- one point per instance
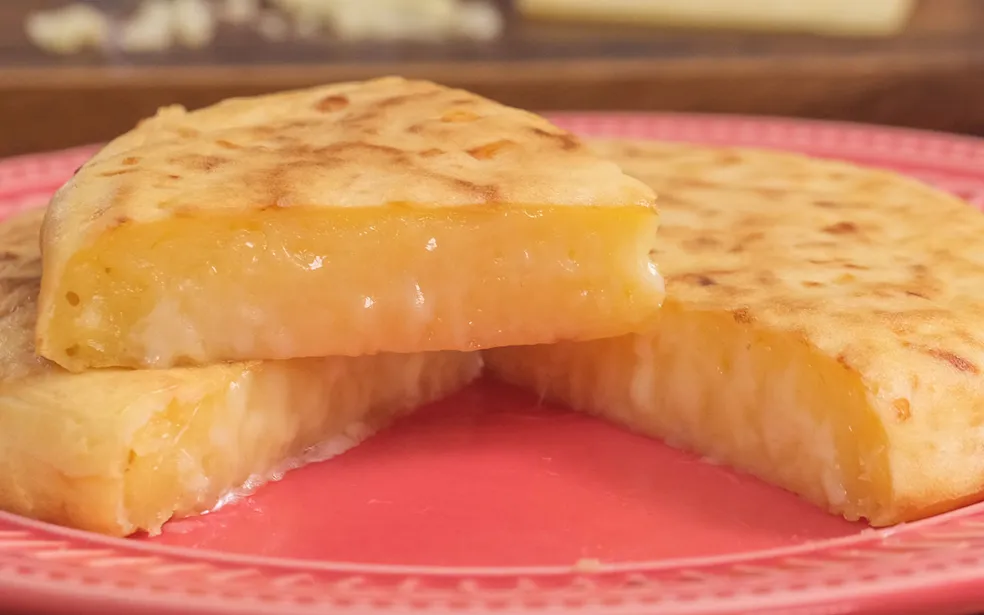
(272, 26)
(193, 23)
(68, 30)
(239, 12)
(479, 21)
(159, 25)
(149, 29)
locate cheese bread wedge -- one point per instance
(117, 451)
(389, 215)
(823, 330)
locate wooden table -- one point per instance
(932, 76)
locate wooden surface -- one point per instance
(932, 76)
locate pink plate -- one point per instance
(489, 502)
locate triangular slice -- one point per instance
(389, 215)
(823, 330)
(116, 451)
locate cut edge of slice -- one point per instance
(301, 283)
(764, 402)
(186, 441)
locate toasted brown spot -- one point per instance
(72, 298)
(702, 242)
(766, 278)
(901, 329)
(116, 172)
(344, 146)
(173, 176)
(403, 98)
(747, 239)
(489, 150)
(913, 293)
(332, 103)
(742, 316)
(76, 171)
(430, 153)
(211, 162)
(842, 359)
(812, 284)
(770, 193)
(956, 361)
(119, 221)
(484, 194)
(131, 160)
(459, 116)
(489, 193)
(728, 158)
(72, 350)
(828, 204)
(7, 256)
(693, 182)
(271, 185)
(263, 130)
(566, 140)
(902, 410)
(202, 163)
(856, 267)
(841, 228)
(227, 144)
(845, 278)
(298, 124)
(699, 279)
(120, 195)
(98, 212)
(969, 339)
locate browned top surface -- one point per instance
(879, 271)
(387, 142)
(382, 144)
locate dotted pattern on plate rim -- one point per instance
(870, 564)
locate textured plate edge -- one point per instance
(28, 179)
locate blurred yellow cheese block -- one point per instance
(385, 216)
(116, 451)
(847, 17)
(823, 330)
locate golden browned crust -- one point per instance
(382, 143)
(388, 141)
(882, 273)
(115, 451)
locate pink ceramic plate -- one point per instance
(488, 502)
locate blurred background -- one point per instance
(80, 72)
